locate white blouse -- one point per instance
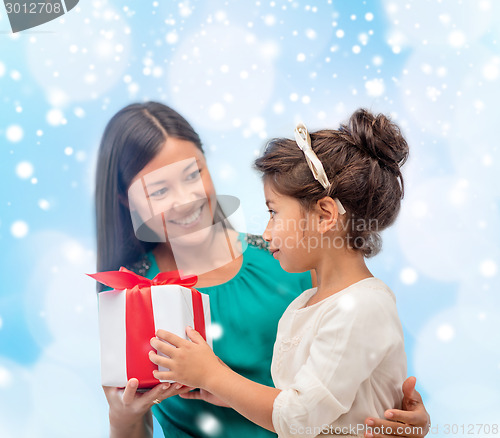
(338, 361)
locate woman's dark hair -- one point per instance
(363, 162)
(132, 138)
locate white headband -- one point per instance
(304, 142)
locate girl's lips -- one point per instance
(274, 252)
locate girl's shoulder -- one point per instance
(373, 289)
(361, 297)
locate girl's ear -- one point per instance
(328, 214)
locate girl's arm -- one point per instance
(252, 400)
(195, 364)
(326, 384)
(412, 417)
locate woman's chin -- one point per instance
(187, 237)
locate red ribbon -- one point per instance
(125, 279)
(139, 317)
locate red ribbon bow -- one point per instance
(139, 317)
(125, 279)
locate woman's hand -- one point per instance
(204, 395)
(191, 363)
(412, 422)
(129, 411)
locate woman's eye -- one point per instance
(272, 213)
(193, 175)
(158, 193)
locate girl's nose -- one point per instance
(266, 235)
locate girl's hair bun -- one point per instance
(379, 138)
(362, 161)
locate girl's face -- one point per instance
(288, 231)
(174, 194)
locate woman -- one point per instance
(157, 210)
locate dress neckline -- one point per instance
(244, 262)
(310, 292)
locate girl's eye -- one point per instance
(272, 213)
(159, 193)
(193, 175)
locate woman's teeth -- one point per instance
(189, 219)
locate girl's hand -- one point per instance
(130, 410)
(412, 422)
(204, 395)
(191, 363)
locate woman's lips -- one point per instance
(189, 220)
(274, 252)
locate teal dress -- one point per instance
(248, 308)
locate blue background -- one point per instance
(242, 72)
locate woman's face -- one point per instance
(174, 194)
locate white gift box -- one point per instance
(129, 318)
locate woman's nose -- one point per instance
(185, 194)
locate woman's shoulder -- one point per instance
(260, 263)
(142, 266)
(256, 241)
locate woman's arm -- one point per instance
(129, 412)
(250, 399)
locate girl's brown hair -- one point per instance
(362, 161)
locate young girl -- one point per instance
(339, 351)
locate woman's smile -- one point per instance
(189, 220)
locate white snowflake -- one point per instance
(14, 133)
(24, 170)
